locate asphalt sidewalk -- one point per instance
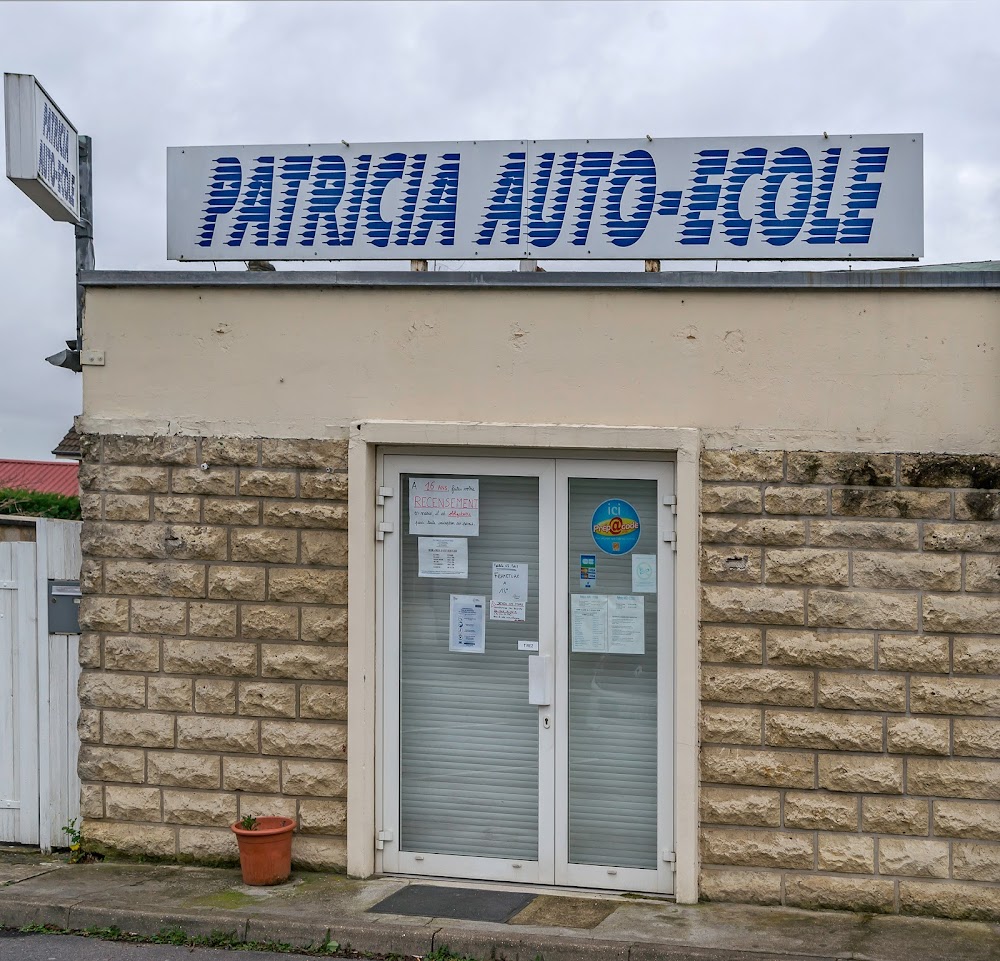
(146, 898)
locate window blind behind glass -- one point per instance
(612, 707)
(469, 738)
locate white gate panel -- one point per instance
(18, 695)
(59, 558)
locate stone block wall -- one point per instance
(214, 648)
(850, 681)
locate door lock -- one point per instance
(546, 722)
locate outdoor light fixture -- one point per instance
(68, 359)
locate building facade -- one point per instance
(677, 583)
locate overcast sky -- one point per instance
(138, 77)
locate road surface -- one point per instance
(15, 946)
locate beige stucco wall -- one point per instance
(808, 370)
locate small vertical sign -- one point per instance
(43, 151)
(588, 571)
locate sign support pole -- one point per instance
(84, 232)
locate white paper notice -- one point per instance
(507, 610)
(626, 624)
(510, 582)
(643, 573)
(590, 623)
(443, 557)
(467, 624)
(444, 506)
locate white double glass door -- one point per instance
(527, 671)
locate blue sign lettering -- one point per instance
(636, 165)
(506, 202)
(441, 204)
(542, 232)
(294, 172)
(863, 195)
(741, 198)
(594, 167)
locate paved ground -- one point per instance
(15, 946)
(147, 898)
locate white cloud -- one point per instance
(141, 76)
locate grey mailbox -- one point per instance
(64, 607)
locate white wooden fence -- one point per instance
(39, 671)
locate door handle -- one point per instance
(540, 680)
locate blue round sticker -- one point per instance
(616, 527)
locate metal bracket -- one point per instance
(382, 494)
(670, 537)
(381, 837)
(670, 500)
(671, 858)
(384, 528)
(92, 358)
(8, 585)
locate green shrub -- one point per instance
(37, 504)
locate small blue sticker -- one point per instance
(588, 570)
(616, 526)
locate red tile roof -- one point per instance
(49, 477)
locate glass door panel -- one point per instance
(611, 645)
(528, 739)
(469, 739)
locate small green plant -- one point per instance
(75, 836)
(248, 822)
(444, 953)
(37, 504)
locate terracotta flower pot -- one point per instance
(266, 851)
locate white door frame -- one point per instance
(553, 864)
(447, 865)
(660, 880)
(366, 440)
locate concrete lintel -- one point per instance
(867, 279)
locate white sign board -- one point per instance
(507, 610)
(43, 155)
(626, 628)
(444, 506)
(443, 557)
(589, 628)
(510, 581)
(736, 198)
(467, 624)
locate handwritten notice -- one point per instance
(626, 625)
(589, 629)
(443, 557)
(510, 581)
(467, 624)
(444, 506)
(507, 610)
